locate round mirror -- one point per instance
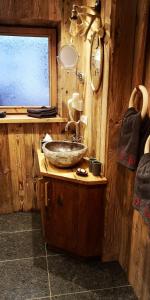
(96, 61)
(68, 57)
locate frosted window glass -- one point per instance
(24, 71)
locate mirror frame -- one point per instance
(96, 88)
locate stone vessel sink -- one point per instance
(64, 154)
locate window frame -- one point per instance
(40, 32)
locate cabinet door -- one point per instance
(62, 211)
(72, 216)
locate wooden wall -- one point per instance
(18, 182)
(96, 103)
(29, 10)
(118, 211)
(18, 163)
(126, 237)
(125, 65)
(139, 261)
(18, 142)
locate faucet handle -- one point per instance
(80, 139)
(77, 140)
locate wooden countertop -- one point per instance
(18, 118)
(48, 170)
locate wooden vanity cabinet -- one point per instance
(72, 215)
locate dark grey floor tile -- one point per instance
(54, 251)
(71, 275)
(124, 293)
(43, 298)
(23, 279)
(20, 221)
(47, 298)
(21, 245)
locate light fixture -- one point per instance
(73, 30)
(82, 19)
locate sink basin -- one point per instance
(64, 154)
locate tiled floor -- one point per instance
(30, 271)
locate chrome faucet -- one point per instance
(76, 138)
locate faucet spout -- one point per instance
(77, 138)
(68, 124)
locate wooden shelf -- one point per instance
(48, 170)
(14, 119)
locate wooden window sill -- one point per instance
(22, 119)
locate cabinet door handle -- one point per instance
(46, 193)
(60, 201)
(38, 189)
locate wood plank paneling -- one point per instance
(140, 41)
(30, 9)
(6, 202)
(147, 59)
(137, 78)
(123, 68)
(67, 80)
(139, 264)
(120, 86)
(18, 163)
(139, 259)
(95, 104)
(126, 70)
(31, 165)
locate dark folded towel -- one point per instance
(141, 200)
(43, 112)
(43, 115)
(2, 114)
(128, 151)
(42, 109)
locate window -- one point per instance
(27, 68)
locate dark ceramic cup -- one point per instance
(96, 167)
(91, 159)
